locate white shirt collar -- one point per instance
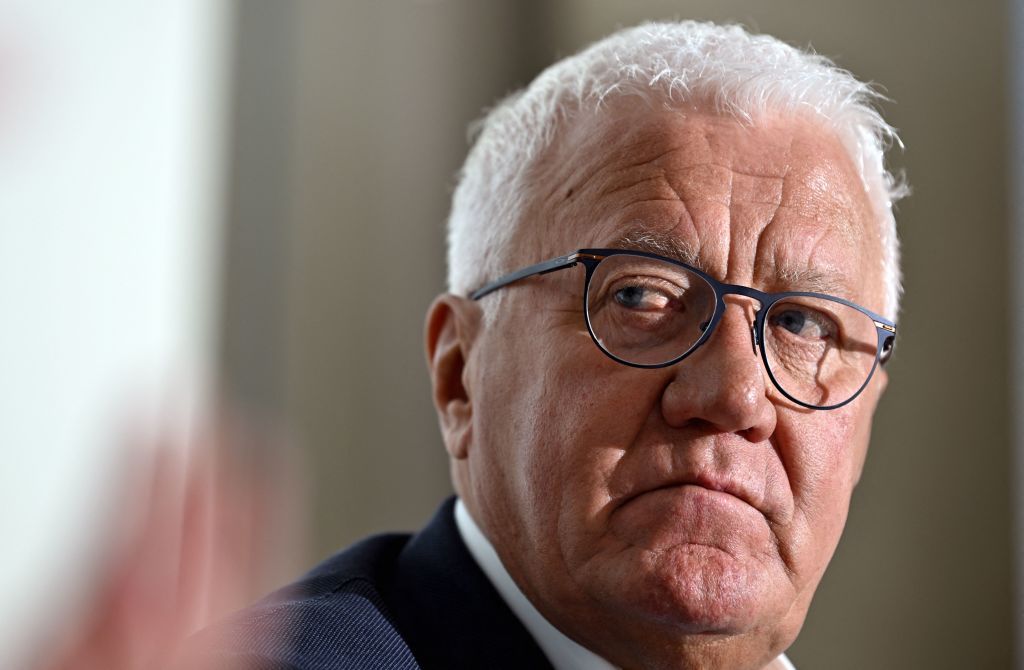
(561, 651)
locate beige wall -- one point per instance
(376, 97)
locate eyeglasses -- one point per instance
(647, 311)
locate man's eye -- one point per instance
(804, 323)
(640, 297)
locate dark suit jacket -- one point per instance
(393, 601)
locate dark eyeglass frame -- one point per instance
(590, 258)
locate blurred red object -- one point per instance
(206, 522)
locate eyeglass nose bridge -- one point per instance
(756, 322)
(711, 325)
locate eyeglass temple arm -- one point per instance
(544, 267)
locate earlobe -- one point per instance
(451, 328)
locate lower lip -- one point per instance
(687, 515)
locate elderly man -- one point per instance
(673, 277)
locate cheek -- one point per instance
(581, 423)
(551, 434)
(822, 454)
(528, 405)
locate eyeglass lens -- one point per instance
(648, 312)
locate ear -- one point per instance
(451, 328)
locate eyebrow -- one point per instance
(641, 238)
(816, 281)
(662, 244)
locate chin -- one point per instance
(697, 589)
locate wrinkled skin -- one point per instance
(678, 517)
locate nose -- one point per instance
(723, 384)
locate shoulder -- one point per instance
(391, 601)
(333, 617)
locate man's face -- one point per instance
(685, 512)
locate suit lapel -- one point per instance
(447, 610)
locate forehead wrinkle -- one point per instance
(680, 155)
(658, 168)
(757, 189)
(589, 177)
(631, 184)
(814, 206)
(781, 260)
(691, 182)
(593, 158)
(606, 187)
(812, 192)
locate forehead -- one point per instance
(777, 204)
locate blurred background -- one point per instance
(241, 204)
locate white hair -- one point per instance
(736, 73)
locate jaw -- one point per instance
(691, 606)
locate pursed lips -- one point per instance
(721, 484)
